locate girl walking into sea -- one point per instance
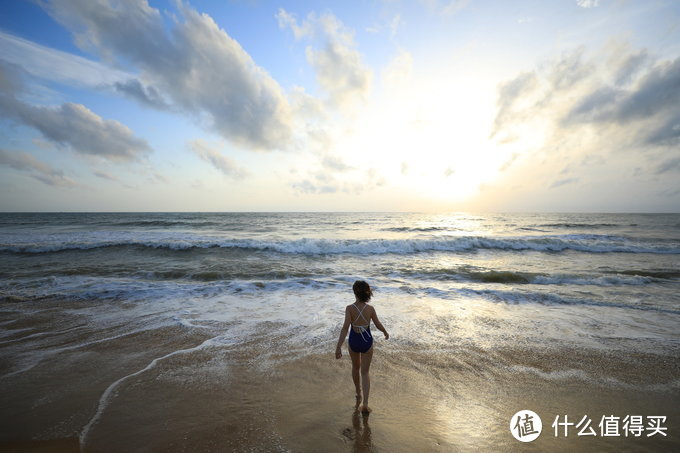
(358, 316)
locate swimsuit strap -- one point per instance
(361, 313)
(363, 330)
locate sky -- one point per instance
(254, 105)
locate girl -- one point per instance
(360, 345)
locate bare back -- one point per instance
(360, 314)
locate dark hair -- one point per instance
(362, 291)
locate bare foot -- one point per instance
(365, 410)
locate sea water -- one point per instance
(276, 284)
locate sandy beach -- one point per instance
(261, 395)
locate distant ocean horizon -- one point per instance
(106, 300)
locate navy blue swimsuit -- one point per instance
(360, 339)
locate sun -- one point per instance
(430, 137)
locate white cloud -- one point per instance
(587, 3)
(395, 24)
(52, 64)
(195, 65)
(210, 154)
(445, 7)
(338, 64)
(76, 127)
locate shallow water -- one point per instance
(138, 332)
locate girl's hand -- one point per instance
(387, 336)
(338, 353)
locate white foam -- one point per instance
(40, 243)
(104, 399)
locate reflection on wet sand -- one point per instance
(360, 432)
(178, 389)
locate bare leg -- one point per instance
(356, 366)
(365, 379)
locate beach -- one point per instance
(216, 332)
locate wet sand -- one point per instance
(172, 389)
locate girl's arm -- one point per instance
(343, 333)
(379, 325)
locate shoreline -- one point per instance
(253, 397)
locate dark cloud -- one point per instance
(105, 175)
(670, 165)
(667, 134)
(592, 123)
(656, 95)
(658, 91)
(563, 182)
(11, 78)
(595, 106)
(195, 64)
(143, 94)
(631, 66)
(508, 93)
(569, 70)
(38, 170)
(640, 101)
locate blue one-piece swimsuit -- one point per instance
(360, 339)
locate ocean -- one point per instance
(217, 331)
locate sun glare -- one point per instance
(429, 136)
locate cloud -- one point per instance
(587, 3)
(610, 117)
(630, 66)
(52, 64)
(105, 175)
(211, 155)
(574, 91)
(395, 24)
(70, 125)
(325, 182)
(404, 168)
(144, 94)
(509, 93)
(39, 170)
(338, 65)
(308, 187)
(195, 65)
(656, 96)
(76, 127)
(563, 182)
(670, 165)
(445, 7)
(335, 163)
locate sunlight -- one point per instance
(429, 135)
